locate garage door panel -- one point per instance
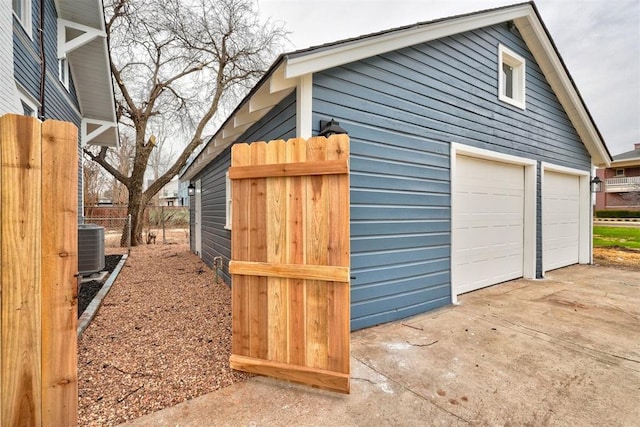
(488, 223)
(491, 237)
(476, 275)
(560, 220)
(490, 254)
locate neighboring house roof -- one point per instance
(294, 70)
(630, 158)
(85, 46)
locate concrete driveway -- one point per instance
(559, 351)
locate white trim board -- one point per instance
(366, 47)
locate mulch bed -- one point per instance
(162, 336)
(88, 290)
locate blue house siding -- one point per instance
(60, 103)
(402, 110)
(216, 240)
(279, 123)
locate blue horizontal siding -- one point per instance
(279, 123)
(59, 103)
(390, 228)
(402, 110)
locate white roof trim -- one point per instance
(296, 70)
(88, 58)
(376, 45)
(99, 128)
(551, 65)
(65, 46)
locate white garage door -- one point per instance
(560, 220)
(488, 233)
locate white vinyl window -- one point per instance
(22, 11)
(63, 72)
(229, 201)
(511, 77)
(619, 172)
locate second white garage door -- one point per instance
(560, 220)
(488, 223)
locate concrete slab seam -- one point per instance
(415, 393)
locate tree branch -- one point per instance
(101, 159)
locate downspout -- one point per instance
(43, 62)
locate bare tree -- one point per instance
(174, 62)
(95, 182)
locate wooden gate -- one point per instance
(290, 260)
(38, 263)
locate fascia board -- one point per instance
(549, 61)
(376, 45)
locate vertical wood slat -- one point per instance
(240, 251)
(38, 289)
(296, 152)
(59, 266)
(287, 323)
(2, 143)
(338, 354)
(277, 251)
(316, 243)
(258, 305)
(21, 271)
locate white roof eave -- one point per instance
(560, 81)
(90, 67)
(296, 66)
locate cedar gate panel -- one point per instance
(38, 266)
(290, 260)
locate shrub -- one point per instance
(617, 214)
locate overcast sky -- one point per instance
(599, 41)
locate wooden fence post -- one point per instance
(38, 258)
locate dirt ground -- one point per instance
(612, 257)
(162, 336)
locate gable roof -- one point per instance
(291, 71)
(85, 46)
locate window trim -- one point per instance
(63, 72)
(519, 65)
(619, 174)
(28, 100)
(228, 201)
(26, 18)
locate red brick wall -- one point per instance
(616, 201)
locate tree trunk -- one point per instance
(136, 210)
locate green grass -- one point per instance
(604, 237)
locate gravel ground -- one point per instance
(162, 336)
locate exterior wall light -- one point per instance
(596, 184)
(330, 127)
(192, 189)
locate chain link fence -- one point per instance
(169, 224)
(117, 232)
(161, 225)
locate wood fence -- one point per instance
(290, 260)
(38, 287)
